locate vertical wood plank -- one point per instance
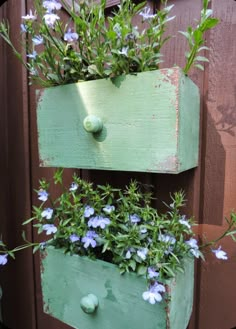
(219, 192)
(17, 277)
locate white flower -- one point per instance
(50, 19)
(153, 294)
(47, 213)
(194, 249)
(184, 222)
(220, 254)
(166, 238)
(49, 228)
(108, 209)
(73, 187)
(124, 51)
(37, 40)
(30, 16)
(142, 253)
(3, 259)
(146, 13)
(71, 36)
(50, 5)
(42, 195)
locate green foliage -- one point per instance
(92, 46)
(195, 38)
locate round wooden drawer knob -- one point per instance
(92, 124)
(89, 303)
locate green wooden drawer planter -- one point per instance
(116, 301)
(147, 122)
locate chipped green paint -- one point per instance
(147, 122)
(116, 302)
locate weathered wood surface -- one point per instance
(17, 277)
(150, 123)
(120, 303)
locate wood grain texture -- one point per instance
(150, 123)
(220, 162)
(119, 296)
(17, 278)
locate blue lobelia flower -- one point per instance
(153, 294)
(142, 253)
(37, 40)
(33, 55)
(194, 249)
(108, 209)
(146, 14)
(220, 254)
(89, 239)
(71, 36)
(43, 195)
(152, 273)
(167, 238)
(184, 221)
(98, 221)
(74, 238)
(47, 213)
(134, 218)
(50, 19)
(3, 259)
(124, 51)
(30, 16)
(51, 5)
(129, 253)
(74, 186)
(49, 228)
(88, 211)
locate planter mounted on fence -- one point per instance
(92, 294)
(148, 122)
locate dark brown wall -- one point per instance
(210, 188)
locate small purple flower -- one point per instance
(23, 28)
(74, 238)
(142, 253)
(129, 253)
(88, 211)
(108, 209)
(98, 221)
(51, 5)
(167, 238)
(29, 17)
(89, 239)
(194, 249)
(71, 36)
(49, 228)
(143, 230)
(47, 213)
(33, 72)
(184, 222)
(37, 40)
(134, 218)
(33, 55)
(74, 186)
(3, 259)
(50, 19)
(153, 294)
(146, 13)
(42, 195)
(43, 245)
(124, 51)
(220, 254)
(152, 273)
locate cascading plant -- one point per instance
(92, 46)
(119, 226)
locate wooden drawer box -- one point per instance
(67, 279)
(149, 123)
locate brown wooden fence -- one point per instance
(210, 189)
